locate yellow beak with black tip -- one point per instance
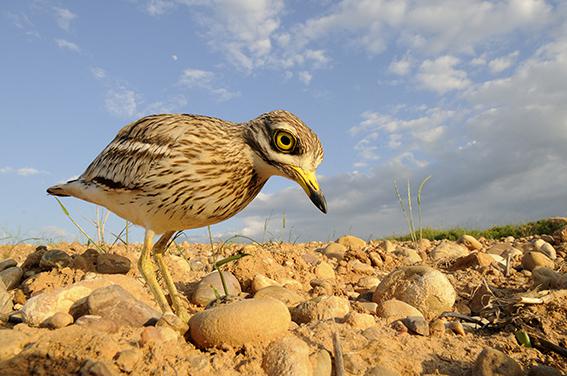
(308, 182)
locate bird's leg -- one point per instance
(159, 249)
(147, 270)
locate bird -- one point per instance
(174, 172)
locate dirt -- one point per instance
(68, 350)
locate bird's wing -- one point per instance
(127, 161)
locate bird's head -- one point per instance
(285, 146)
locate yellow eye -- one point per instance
(284, 141)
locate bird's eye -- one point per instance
(284, 141)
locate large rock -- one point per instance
(54, 258)
(448, 250)
(287, 356)
(211, 286)
(11, 277)
(8, 263)
(107, 263)
(116, 304)
(321, 308)
(352, 242)
(422, 287)
(491, 362)
(546, 248)
(335, 250)
(243, 322)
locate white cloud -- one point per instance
(22, 171)
(305, 77)
(400, 67)
(197, 78)
(441, 76)
(98, 73)
(174, 57)
(159, 7)
(66, 45)
(64, 18)
(502, 63)
(122, 102)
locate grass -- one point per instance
(541, 227)
(407, 209)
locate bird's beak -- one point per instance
(308, 182)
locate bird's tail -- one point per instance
(59, 190)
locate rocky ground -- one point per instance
(346, 307)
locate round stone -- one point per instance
(422, 287)
(324, 271)
(243, 322)
(54, 258)
(11, 277)
(287, 356)
(394, 309)
(286, 296)
(321, 308)
(448, 250)
(211, 286)
(335, 250)
(352, 242)
(470, 242)
(58, 320)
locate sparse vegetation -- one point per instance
(541, 227)
(407, 209)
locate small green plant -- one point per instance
(407, 209)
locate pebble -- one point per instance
(19, 297)
(369, 307)
(54, 258)
(375, 259)
(40, 307)
(95, 368)
(491, 362)
(533, 259)
(470, 242)
(394, 309)
(422, 287)
(32, 261)
(388, 247)
(116, 304)
(288, 297)
(416, 325)
(324, 271)
(437, 327)
(358, 266)
(457, 328)
(11, 277)
(321, 363)
(287, 356)
(409, 255)
(150, 336)
(473, 260)
(360, 320)
(335, 251)
(12, 343)
(260, 281)
(448, 250)
(8, 263)
(351, 242)
(368, 283)
(243, 322)
(107, 263)
(97, 323)
(321, 308)
(170, 320)
(6, 304)
(126, 359)
(211, 285)
(58, 320)
(548, 250)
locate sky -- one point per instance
(472, 93)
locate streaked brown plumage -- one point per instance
(176, 171)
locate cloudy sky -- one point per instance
(473, 93)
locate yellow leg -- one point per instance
(158, 251)
(148, 272)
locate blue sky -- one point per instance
(470, 92)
